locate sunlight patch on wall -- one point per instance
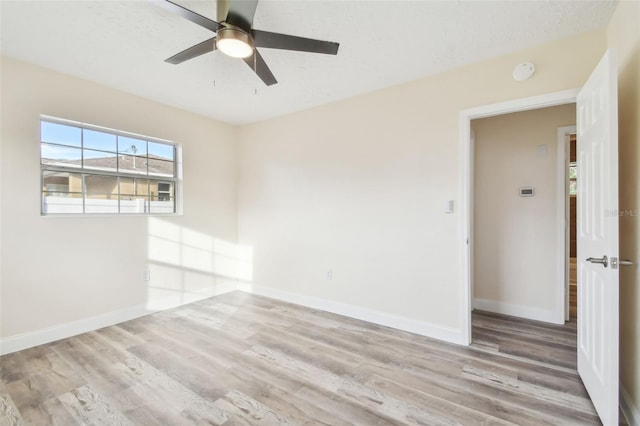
(186, 265)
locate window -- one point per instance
(164, 191)
(87, 169)
(573, 182)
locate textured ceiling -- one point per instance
(123, 44)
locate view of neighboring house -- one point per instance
(94, 171)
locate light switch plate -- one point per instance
(541, 150)
(448, 206)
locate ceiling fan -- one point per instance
(236, 37)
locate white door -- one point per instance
(597, 123)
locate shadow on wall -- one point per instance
(187, 265)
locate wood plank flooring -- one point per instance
(240, 359)
(543, 343)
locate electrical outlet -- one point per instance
(146, 275)
(329, 274)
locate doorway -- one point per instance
(569, 138)
(518, 242)
(466, 148)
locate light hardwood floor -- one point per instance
(547, 344)
(240, 359)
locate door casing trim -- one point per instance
(466, 187)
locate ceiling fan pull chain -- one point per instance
(215, 47)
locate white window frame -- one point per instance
(82, 172)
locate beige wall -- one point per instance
(624, 35)
(515, 238)
(56, 270)
(359, 186)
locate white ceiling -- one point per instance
(123, 44)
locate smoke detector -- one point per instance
(523, 71)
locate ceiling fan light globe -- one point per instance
(234, 43)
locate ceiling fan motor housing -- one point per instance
(235, 42)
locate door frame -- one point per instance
(563, 217)
(466, 189)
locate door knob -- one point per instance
(604, 261)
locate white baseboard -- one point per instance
(62, 331)
(521, 311)
(628, 408)
(422, 328)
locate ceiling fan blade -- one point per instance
(288, 42)
(260, 67)
(241, 13)
(193, 52)
(187, 14)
